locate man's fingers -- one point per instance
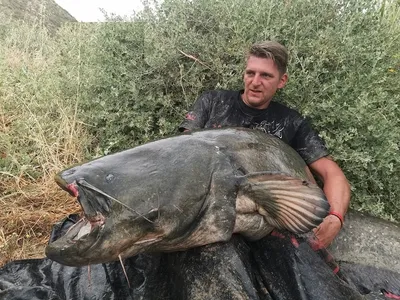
(316, 229)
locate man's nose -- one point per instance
(256, 79)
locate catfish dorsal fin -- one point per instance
(286, 202)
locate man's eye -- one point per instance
(249, 73)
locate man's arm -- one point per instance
(337, 191)
(198, 116)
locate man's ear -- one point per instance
(282, 81)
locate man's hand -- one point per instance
(327, 230)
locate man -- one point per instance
(253, 107)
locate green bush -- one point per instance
(39, 97)
(131, 82)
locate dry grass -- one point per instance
(40, 134)
(28, 212)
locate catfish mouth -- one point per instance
(84, 227)
(84, 234)
(83, 243)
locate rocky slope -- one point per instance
(43, 12)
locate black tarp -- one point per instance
(279, 266)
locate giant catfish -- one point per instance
(186, 191)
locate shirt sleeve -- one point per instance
(198, 116)
(308, 143)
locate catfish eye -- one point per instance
(110, 178)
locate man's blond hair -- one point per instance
(272, 50)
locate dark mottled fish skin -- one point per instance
(368, 241)
(187, 191)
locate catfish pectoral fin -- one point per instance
(286, 202)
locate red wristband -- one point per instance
(339, 216)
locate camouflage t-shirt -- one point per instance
(221, 108)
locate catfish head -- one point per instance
(132, 201)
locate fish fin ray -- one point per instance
(292, 203)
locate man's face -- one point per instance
(261, 81)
